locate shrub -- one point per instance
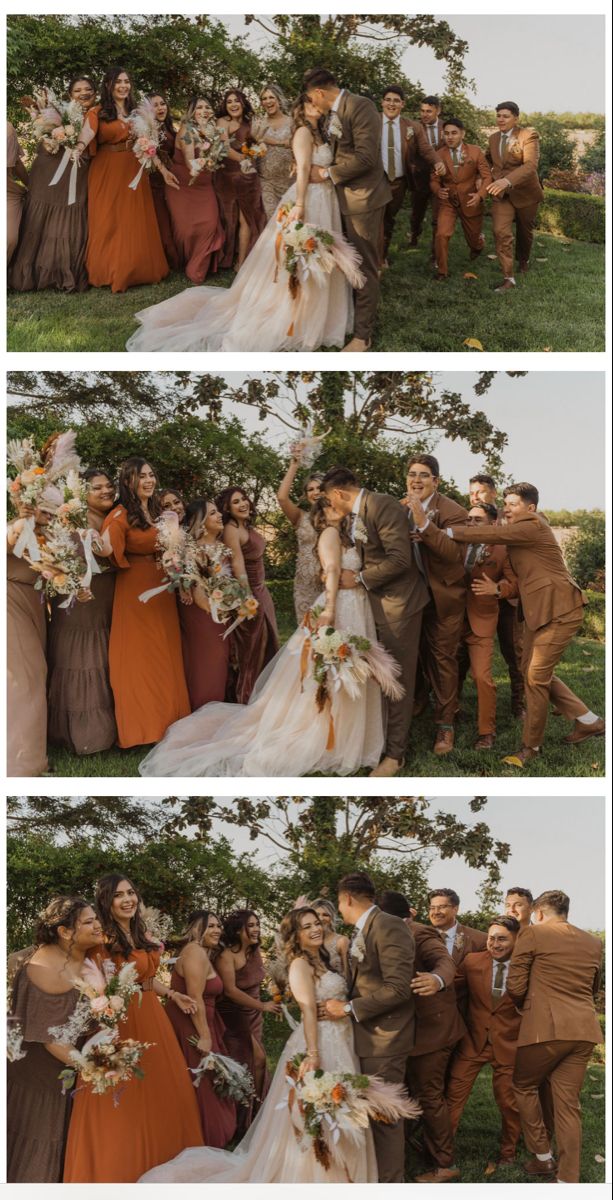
(556, 149)
(594, 157)
(572, 215)
(585, 551)
(576, 181)
(594, 617)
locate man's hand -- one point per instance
(418, 510)
(317, 175)
(484, 587)
(424, 983)
(322, 1015)
(439, 168)
(472, 199)
(498, 187)
(335, 1010)
(348, 579)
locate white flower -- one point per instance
(335, 128)
(360, 532)
(357, 949)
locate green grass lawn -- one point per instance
(558, 306)
(582, 669)
(479, 1131)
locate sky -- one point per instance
(547, 64)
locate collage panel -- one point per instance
(241, 982)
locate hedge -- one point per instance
(573, 215)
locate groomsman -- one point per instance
(491, 1038)
(460, 192)
(430, 120)
(490, 579)
(398, 134)
(518, 903)
(459, 940)
(515, 189)
(552, 605)
(554, 976)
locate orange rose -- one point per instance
(310, 244)
(338, 1093)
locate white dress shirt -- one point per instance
(505, 976)
(432, 134)
(398, 163)
(449, 935)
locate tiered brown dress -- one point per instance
(196, 223)
(239, 193)
(158, 191)
(156, 1116)
(255, 642)
(15, 193)
(244, 1026)
(217, 1113)
(145, 660)
(27, 671)
(37, 1112)
(81, 707)
(124, 246)
(53, 235)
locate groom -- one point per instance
(354, 132)
(396, 589)
(380, 1003)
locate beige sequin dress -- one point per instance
(274, 169)
(307, 580)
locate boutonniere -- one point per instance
(360, 532)
(335, 128)
(410, 133)
(514, 148)
(357, 949)
(459, 940)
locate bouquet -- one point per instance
(228, 598)
(212, 148)
(14, 1040)
(146, 138)
(62, 569)
(28, 481)
(178, 557)
(325, 1104)
(307, 252)
(306, 447)
(105, 994)
(251, 152)
(157, 923)
(104, 1062)
(58, 123)
(230, 1079)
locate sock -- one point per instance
(543, 1157)
(587, 718)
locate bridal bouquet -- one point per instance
(229, 1078)
(146, 138)
(306, 251)
(105, 1062)
(306, 447)
(212, 149)
(251, 152)
(331, 1103)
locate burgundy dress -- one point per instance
(243, 1025)
(196, 223)
(239, 193)
(158, 191)
(255, 642)
(206, 656)
(217, 1113)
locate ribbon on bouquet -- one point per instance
(68, 156)
(92, 565)
(156, 591)
(136, 181)
(27, 541)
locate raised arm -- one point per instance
(329, 551)
(525, 533)
(291, 510)
(302, 983)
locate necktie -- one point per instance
(454, 159)
(432, 135)
(391, 152)
(473, 556)
(498, 988)
(503, 145)
(421, 567)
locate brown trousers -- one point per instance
(426, 1075)
(402, 640)
(510, 639)
(504, 217)
(464, 1071)
(478, 652)
(564, 1065)
(422, 197)
(543, 649)
(440, 639)
(363, 230)
(389, 1139)
(445, 225)
(399, 190)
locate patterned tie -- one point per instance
(432, 135)
(503, 145)
(473, 555)
(391, 152)
(498, 988)
(454, 159)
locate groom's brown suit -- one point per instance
(398, 596)
(363, 192)
(384, 1021)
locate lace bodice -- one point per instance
(351, 559)
(322, 155)
(330, 986)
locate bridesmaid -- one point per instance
(172, 501)
(241, 969)
(194, 211)
(81, 709)
(307, 578)
(194, 975)
(166, 151)
(26, 635)
(15, 195)
(146, 668)
(157, 1115)
(124, 246)
(275, 130)
(206, 655)
(53, 239)
(255, 642)
(240, 194)
(44, 995)
(335, 943)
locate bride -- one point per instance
(269, 1152)
(257, 312)
(280, 731)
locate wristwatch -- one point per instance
(347, 1009)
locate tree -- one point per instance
(107, 819)
(556, 148)
(594, 156)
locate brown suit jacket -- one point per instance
(389, 571)
(472, 175)
(414, 143)
(380, 989)
(357, 171)
(419, 161)
(546, 589)
(444, 567)
(500, 1025)
(519, 166)
(438, 1023)
(482, 611)
(467, 941)
(554, 976)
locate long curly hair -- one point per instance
(317, 517)
(127, 485)
(299, 118)
(289, 938)
(116, 938)
(233, 926)
(195, 929)
(222, 502)
(167, 124)
(108, 108)
(222, 111)
(59, 911)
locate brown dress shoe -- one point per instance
(521, 757)
(444, 745)
(519, 712)
(439, 1175)
(581, 732)
(485, 741)
(534, 1166)
(507, 286)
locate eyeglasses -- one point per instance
(420, 475)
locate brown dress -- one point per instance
(37, 1112)
(245, 1025)
(124, 246)
(15, 193)
(206, 656)
(217, 1113)
(81, 708)
(255, 642)
(27, 671)
(239, 193)
(196, 223)
(145, 661)
(158, 191)
(53, 235)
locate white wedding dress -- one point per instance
(257, 311)
(280, 731)
(270, 1152)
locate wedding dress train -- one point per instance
(270, 1151)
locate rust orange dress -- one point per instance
(124, 246)
(145, 656)
(156, 1116)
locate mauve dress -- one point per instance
(53, 234)
(158, 191)
(239, 193)
(255, 642)
(217, 1113)
(206, 656)
(80, 700)
(26, 694)
(243, 1024)
(196, 223)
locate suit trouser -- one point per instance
(445, 225)
(479, 651)
(543, 648)
(510, 639)
(422, 196)
(564, 1064)
(504, 217)
(464, 1071)
(402, 640)
(399, 190)
(389, 1139)
(364, 232)
(440, 639)
(426, 1075)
